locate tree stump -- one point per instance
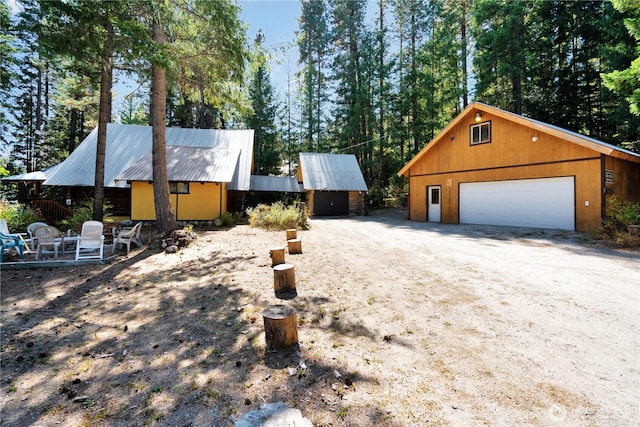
(277, 256)
(284, 278)
(294, 246)
(280, 326)
(292, 233)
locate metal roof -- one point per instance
(187, 164)
(280, 184)
(32, 176)
(127, 143)
(333, 172)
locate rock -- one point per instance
(276, 414)
(217, 222)
(171, 249)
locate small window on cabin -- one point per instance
(179, 187)
(480, 133)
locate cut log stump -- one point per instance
(284, 278)
(280, 326)
(294, 246)
(277, 256)
(292, 233)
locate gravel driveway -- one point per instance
(400, 323)
(536, 320)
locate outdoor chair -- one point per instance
(48, 237)
(126, 237)
(9, 242)
(91, 241)
(31, 229)
(4, 229)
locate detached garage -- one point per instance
(489, 166)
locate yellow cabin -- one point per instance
(198, 180)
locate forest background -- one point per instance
(377, 79)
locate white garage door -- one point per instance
(539, 203)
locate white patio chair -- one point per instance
(126, 237)
(48, 236)
(91, 241)
(31, 228)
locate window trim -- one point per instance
(174, 187)
(479, 126)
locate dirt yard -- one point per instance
(399, 324)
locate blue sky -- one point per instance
(278, 20)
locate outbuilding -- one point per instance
(493, 167)
(333, 184)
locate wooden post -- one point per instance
(284, 278)
(292, 233)
(277, 256)
(294, 246)
(280, 326)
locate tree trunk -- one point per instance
(165, 217)
(101, 145)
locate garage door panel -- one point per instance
(540, 203)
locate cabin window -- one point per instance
(480, 133)
(179, 187)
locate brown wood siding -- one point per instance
(511, 154)
(356, 203)
(626, 179)
(510, 145)
(586, 173)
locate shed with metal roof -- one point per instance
(333, 183)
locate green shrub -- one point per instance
(18, 216)
(619, 214)
(81, 213)
(228, 219)
(277, 216)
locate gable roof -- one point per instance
(541, 127)
(187, 164)
(333, 172)
(127, 143)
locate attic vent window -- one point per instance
(480, 133)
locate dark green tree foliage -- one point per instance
(499, 62)
(7, 60)
(313, 44)
(350, 71)
(440, 79)
(98, 32)
(267, 143)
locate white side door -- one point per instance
(434, 198)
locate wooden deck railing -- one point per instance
(51, 210)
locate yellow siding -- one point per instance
(204, 202)
(142, 204)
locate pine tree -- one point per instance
(267, 142)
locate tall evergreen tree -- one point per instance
(204, 57)
(313, 45)
(499, 61)
(267, 143)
